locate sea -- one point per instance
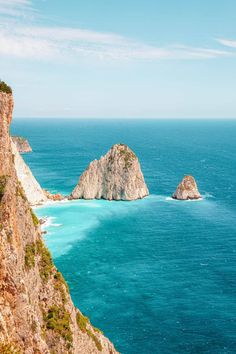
(157, 276)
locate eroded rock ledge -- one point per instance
(22, 144)
(187, 189)
(116, 176)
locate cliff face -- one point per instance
(22, 144)
(187, 189)
(31, 187)
(36, 311)
(117, 175)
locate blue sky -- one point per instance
(120, 59)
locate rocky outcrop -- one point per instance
(30, 185)
(54, 197)
(22, 144)
(187, 189)
(116, 176)
(36, 311)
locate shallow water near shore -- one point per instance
(156, 275)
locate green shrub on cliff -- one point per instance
(82, 322)
(8, 348)
(95, 339)
(34, 218)
(60, 284)
(4, 87)
(3, 181)
(30, 253)
(58, 320)
(45, 263)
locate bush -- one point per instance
(58, 320)
(45, 263)
(34, 218)
(82, 322)
(3, 181)
(30, 255)
(8, 348)
(60, 284)
(4, 87)
(95, 339)
(21, 193)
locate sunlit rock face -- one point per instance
(116, 176)
(22, 144)
(30, 185)
(187, 189)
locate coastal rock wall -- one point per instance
(31, 187)
(117, 175)
(36, 311)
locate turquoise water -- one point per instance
(157, 275)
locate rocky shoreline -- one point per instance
(37, 312)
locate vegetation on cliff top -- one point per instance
(4, 87)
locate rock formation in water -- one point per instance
(22, 144)
(54, 197)
(116, 176)
(187, 189)
(30, 185)
(36, 311)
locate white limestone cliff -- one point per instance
(30, 185)
(116, 176)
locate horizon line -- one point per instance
(127, 118)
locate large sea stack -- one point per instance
(36, 311)
(187, 189)
(116, 176)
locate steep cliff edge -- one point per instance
(36, 311)
(117, 175)
(30, 185)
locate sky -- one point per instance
(120, 58)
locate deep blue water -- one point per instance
(156, 275)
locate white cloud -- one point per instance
(16, 8)
(25, 47)
(227, 42)
(40, 42)
(48, 42)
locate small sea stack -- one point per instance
(116, 176)
(187, 189)
(22, 144)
